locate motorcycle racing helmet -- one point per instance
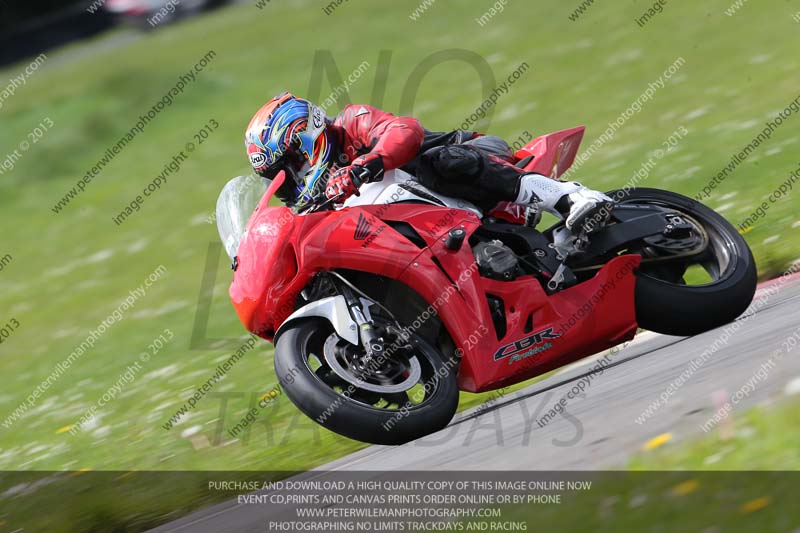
(290, 134)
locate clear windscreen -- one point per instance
(235, 204)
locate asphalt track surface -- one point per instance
(600, 430)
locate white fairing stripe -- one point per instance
(334, 309)
(390, 191)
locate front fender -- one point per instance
(334, 310)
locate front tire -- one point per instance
(362, 414)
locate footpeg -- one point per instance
(562, 278)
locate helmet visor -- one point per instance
(267, 163)
(269, 172)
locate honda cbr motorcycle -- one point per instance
(383, 309)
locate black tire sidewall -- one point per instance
(678, 310)
(351, 418)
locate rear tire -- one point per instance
(682, 310)
(352, 418)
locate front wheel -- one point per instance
(702, 280)
(406, 394)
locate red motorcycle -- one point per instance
(382, 309)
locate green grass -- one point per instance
(760, 439)
(742, 482)
(70, 270)
(737, 479)
(670, 501)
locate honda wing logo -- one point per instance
(364, 231)
(363, 228)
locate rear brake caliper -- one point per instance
(679, 235)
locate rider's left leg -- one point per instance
(467, 171)
(583, 208)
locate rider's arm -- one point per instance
(396, 139)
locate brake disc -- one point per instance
(332, 345)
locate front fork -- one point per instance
(373, 343)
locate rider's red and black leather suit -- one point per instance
(458, 163)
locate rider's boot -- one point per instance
(584, 209)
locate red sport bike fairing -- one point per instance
(382, 310)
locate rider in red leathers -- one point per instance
(334, 157)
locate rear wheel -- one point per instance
(407, 394)
(700, 279)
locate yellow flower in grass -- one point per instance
(271, 394)
(755, 505)
(687, 487)
(657, 441)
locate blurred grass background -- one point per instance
(70, 270)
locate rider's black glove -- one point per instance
(367, 168)
(346, 181)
